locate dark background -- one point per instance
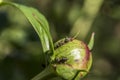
(20, 47)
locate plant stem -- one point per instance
(88, 13)
(47, 71)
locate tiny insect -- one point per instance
(61, 60)
(62, 42)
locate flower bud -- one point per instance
(72, 58)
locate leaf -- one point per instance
(38, 22)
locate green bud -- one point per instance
(72, 59)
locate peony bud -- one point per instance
(72, 58)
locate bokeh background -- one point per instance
(20, 47)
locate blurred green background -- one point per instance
(20, 48)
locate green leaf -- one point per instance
(91, 42)
(39, 23)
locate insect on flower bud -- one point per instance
(72, 58)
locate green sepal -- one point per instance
(91, 42)
(66, 71)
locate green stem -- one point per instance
(88, 13)
(47, 71)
